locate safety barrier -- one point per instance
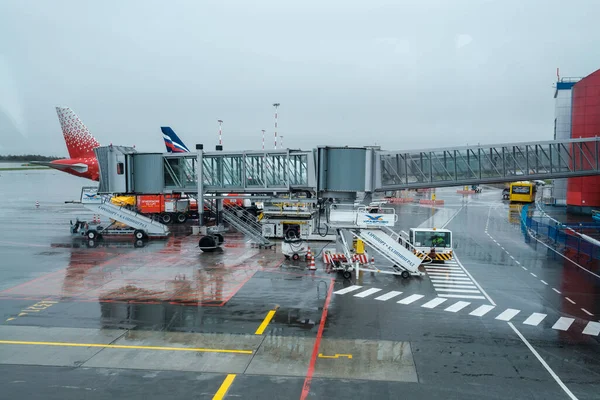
(432, 202)
(400, 200)
(465, 191)
(563, 238)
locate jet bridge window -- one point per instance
(120, 168)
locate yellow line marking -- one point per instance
(224, 387)
(121, 346)
(336, 356)
(265, 322)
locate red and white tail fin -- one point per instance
(80, 142)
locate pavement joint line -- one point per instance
(224, 387)
(265, 322)
(121, 346)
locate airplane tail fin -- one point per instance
(80, 142)
(172, 141)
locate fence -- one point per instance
(560, 237)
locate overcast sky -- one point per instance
(400, 74)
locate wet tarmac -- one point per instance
(165, 320)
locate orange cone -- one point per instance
(308, 254)
(312, 265)
(372, 261)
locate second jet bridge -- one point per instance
(341, 171)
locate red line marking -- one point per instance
(313, 358)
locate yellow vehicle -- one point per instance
(522, 192)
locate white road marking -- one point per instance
(461, 296)
(587, 312)
(533, 274)
(534, 319)
(524, 268)
(457, 290)
(507, 314)
(451, 285)
(444, 271)
(388, 296)
(572, 302)
(444, 268)
(502, 247)
(543, 281)
(517, 262)
(459, 305)
(367, 292)
(456, 274)
(448, 279)
(563, 323)
(474, 281)
(541, 360)
(556, 290)
(482, 310)
(512, 257)
(434, 303)
(410, 299)
(348, 289)
(592, 328)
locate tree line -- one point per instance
(27, 157)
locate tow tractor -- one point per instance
(429, 244)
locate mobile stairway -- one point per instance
(244, 221)
(137, 224)
(372, 225)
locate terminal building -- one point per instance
(577, 115)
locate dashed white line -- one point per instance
(459, 305)
(534, 275)
(507, 314)
(534, 319)
(517, 262)
(481, 310)
(367, 292)
(586, 311)
(451, 285)
(411, 299)
(388, 296)
(434, 303)
(524, 268)
(512, 257)
(544, 282)
(571, 301)
(563, 323)
(556, 290)
(348, 289)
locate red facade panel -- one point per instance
(585, 122)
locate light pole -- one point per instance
(281, 142)
(220, 131)
(276, 105)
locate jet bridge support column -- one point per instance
(200, 175)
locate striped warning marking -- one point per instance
(434, 303)
(451, 280)
(563, 323)
(367, 292)
(348, 289)
(507, 314)
(388, 295)
(411, 299)
(459, 305)
(534, 319)
(481, 310)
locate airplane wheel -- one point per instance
(347, 274)
(405, 274)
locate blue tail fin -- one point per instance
(172, 141)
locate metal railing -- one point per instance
(245, 222)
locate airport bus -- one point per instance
(522, 192)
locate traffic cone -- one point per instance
(308, 254)
(312, 265)
(372, 261)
